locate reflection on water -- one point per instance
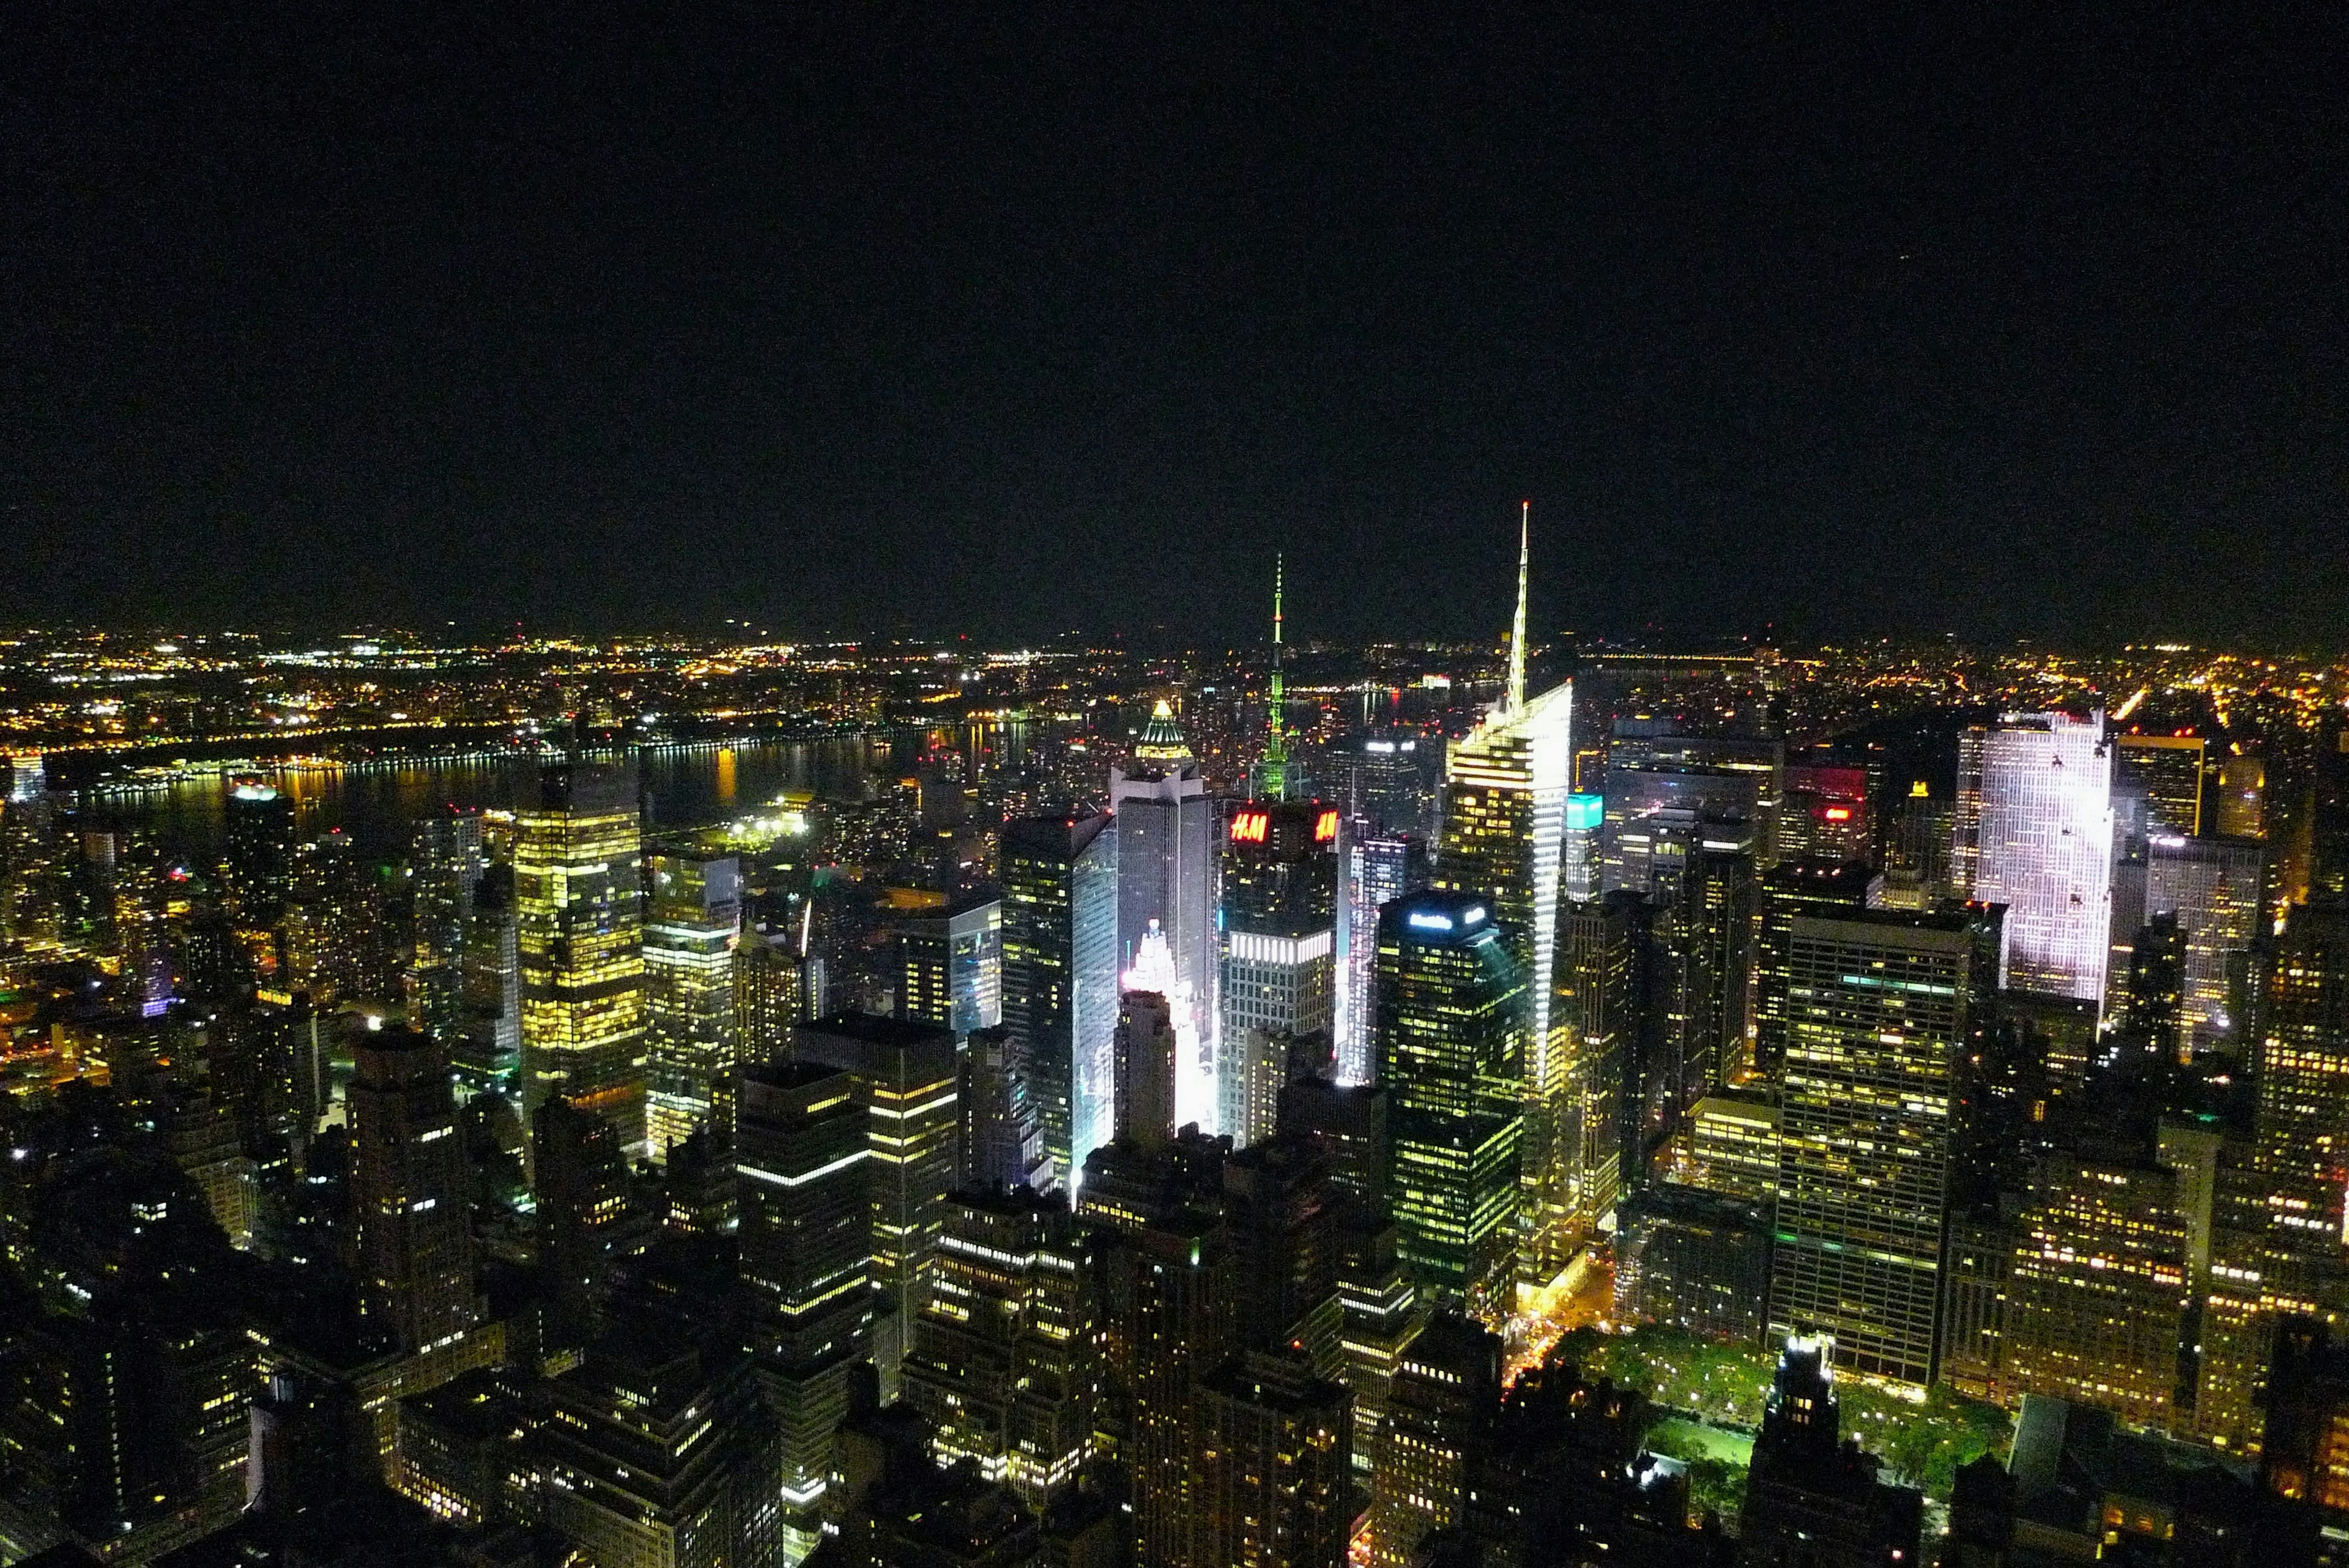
(377, 805)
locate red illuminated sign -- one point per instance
(1325, 828)
(1250, 827)
(1837, 813)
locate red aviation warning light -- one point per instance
(1325, 828)
(1251, 826)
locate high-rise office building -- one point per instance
(2097, 1295)
(1502, 845)
(1834, 889)
(1582, 862)
(2243, 796)
(258, 829)
(1441, 1406)
(1595, 1039)
(1060, 900)
(2216, 888)
(1145, 1068)
(1166, 870)
(1385, 779)
(778, 986)
(949, 965)
(580, 931)
(445, 867)
(487, 1053)
(2033, 830)
(1276, 1473)
(1004, 1361)
(579, 1174)
(659, 1455)
(906, 1075)
(1825, 814)
(801, 1144)
(1375, 868)
(1278, 944)
(1882, 1007)
(408, 1187)
(1451, 1039)
(1000, 1143)
(2170, 772)
(693, 906)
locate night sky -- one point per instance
(1008, 320)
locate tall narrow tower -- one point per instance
(1516, 627)
(1273, 774)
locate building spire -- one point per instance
(1275, 745)
(1517, 627)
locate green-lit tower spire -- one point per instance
(1275, 745)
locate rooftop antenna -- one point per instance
(1275, 745)
(1517, 627)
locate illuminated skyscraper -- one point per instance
(2034, 832)
(1451, 1041)
(905, 1076)
(1594, 1032)
(2097, 1298)
(408, 1189)
(1582, 863)
(1374, 870)
(1276, 1476)
(1060, 880)
(445, 868)
(1005, 1362)
(580, 931)
(258, 827)
(1145, 1069)
(2169, 772)
(2216, 888)
(801, 1145)
(2243, 797)
(1279, 941)
(1789, 890)
(949, 967)
(777, 987)
(695, 907)
(1165, 869)
(1504, 844)
(1879, 1015)
(1441, 1406)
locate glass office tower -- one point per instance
(580, 931)
(1060, 877)
(692, 1041)
(1451, 1054)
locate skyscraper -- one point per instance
(2169, 772)
(777, 987)
(1278, 942)
(1060, 898)
(1503, 845)
(1451, 1040)
(408, 1187)
(258, 827)
(1441, 1406)
(801, 1144)
(1165, 874)
(445, 872)
(1375, 868)
(1881, 1006)
(904, 1074)
(1792, 889)
(1275, 1482)
(695, 906)
(580, 931)
(1145, 1068)
(1004, 1361)
(2034, 832)
(1811, 1497)
(1595, 1029)
(949, 968)
(2216, 888)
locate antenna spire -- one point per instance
(1517, 627)
(1275, 745)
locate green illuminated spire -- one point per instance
(1517, 627)
(1275, 745)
